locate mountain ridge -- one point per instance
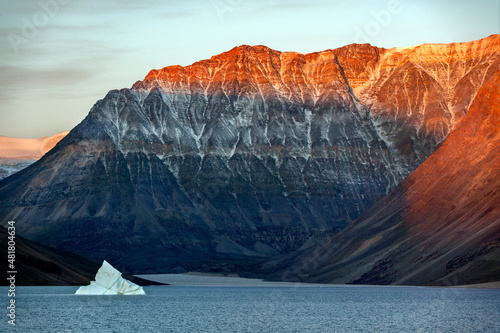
(239, 160)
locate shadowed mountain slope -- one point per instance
(38, 265)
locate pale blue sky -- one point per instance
(58, 59)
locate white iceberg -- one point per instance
(109, 281)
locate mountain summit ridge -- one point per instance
(245, 155)
(366, 71)
(383, 59)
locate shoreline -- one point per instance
(198, 279)
(487, 285)
(221, 279)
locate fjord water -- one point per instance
(258, 309)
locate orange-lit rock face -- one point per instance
(464, 170)
(454, 72)
(427, 87)
(371, 71)
(260, 70)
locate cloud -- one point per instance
(176, 14)
(276, 5)
(17, 81)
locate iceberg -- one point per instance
(109, 281)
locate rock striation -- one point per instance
(245, 155)
(440, 226)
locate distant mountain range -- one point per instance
(251, 154)
(16, 154)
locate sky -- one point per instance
(59, 57)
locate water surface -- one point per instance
(257, 309)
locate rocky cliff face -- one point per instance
(441, 225)
(247, 154)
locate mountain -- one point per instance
(42, 265)
(15, 148)
(247, 155)
(16, 154)
(440, 226)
